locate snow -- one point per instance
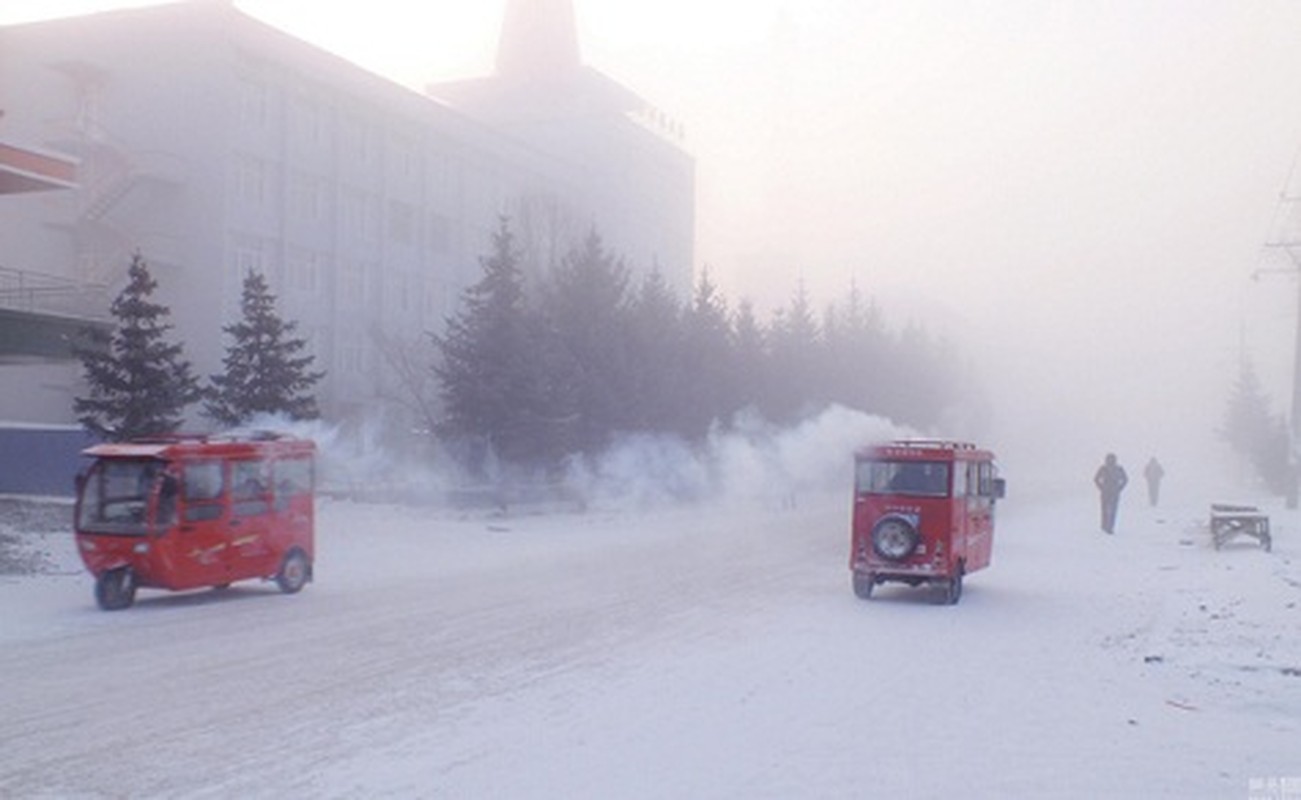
(39, 426)
(708, 651)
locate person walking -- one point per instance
(1153, 473)
(1110, 480)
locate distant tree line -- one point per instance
(532, 371)
(140, 384)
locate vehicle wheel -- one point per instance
(221, 587)
(953, 588)
(294, 572)
(863, 583)
(115, 589)
(895, 538)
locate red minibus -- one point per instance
(923, 513)
(187, 512)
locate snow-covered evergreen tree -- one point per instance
(797, 362)
(493, 362)
(750, 363)
(706, 358)
(858, 353)
(586, 307)
(266, 368)
(655, 344)
(1256, 432)
(139, 385)
(532, 379)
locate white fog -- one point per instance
(1078, 197)
(1075, 194)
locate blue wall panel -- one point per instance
(41, 461)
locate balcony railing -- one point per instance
(38, 293)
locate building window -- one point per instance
(371, 220)
(357, 140)
(376, 289)
(351, 353)
(304, 271)
(249, 257)
(352, 210)
(351, 135)
(401, 222)
(404, 164)
(250, 180)
(305, 197)
(253, 103)
(308, 127)
(352, 282)
(440, 233)
(361, 215)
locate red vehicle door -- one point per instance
(201, 548)
(293, 512)
(980, 515)
(252, 520)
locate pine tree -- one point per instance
(493, 366)
(707, 357)
(796, 351)
(857, 351)
(750, 365)
(655, 350)
(586, 307)
(266, 370)
(1255, 432)
(139, 385)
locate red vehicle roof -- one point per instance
(924, 450)
(182, 446)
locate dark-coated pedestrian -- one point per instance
(1110, 480)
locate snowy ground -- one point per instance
(675, 654)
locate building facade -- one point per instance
(214, 144)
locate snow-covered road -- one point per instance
(684, 653)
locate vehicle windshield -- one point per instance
(115, 496)
(915, 478)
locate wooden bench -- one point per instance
(1230, 521)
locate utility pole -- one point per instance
(1293, 249)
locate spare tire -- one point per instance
(895, 538)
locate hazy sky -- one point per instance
(1075, 192)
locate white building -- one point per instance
(214, 144)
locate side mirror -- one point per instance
(1000, 488)
(80, 480)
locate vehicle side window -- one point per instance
(250, 487)
(986, 479)
(203, 484)
(293, 477)
(973, 479)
